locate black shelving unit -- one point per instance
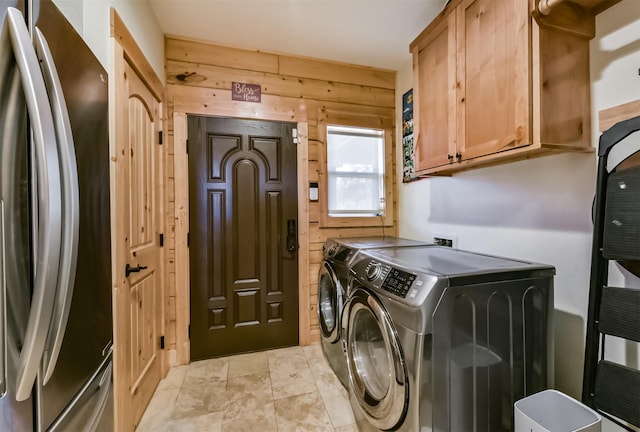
(610, 388)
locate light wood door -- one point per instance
(434, 57)
(494, 76)
(243, 236)
(139, 298)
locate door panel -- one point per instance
(243, 194)
(143, 326)
(139, 305)
(435, 75)
(144, 248)
(493, 71)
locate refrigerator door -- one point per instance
(89, 325)
(28, 285)
(16, 48)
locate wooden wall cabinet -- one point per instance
(491, 85)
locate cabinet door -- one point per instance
(494, 76)
(434, 66)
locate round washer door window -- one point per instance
(377, 371)
(329, 299)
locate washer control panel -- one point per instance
(331, 250)
(337, 252)
(343, 254)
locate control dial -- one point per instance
(374, 270)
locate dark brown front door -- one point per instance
(243, 236)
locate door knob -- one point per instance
(128, 269)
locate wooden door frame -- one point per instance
(230, 109)
(123, 50)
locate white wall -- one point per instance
(91, 18)
(538, 209)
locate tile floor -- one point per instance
(289, 389)
(285, 390)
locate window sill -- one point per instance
(353, 222)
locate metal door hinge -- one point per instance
(161, 240)
(294, 135)
(161, 342)
(189, 331)
(160, 137)
(187, 146)
(188, 239)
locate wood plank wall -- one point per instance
(199, 76)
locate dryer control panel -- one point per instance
(398, 282)
(388, 278)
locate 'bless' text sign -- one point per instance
(246, 92)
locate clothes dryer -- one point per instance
(439, 339)
(333, 279)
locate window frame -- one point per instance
(361, 120)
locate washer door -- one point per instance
(377, 370)
(329, 303)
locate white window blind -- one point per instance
(355, 171)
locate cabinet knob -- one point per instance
(450, 157)
(459, 155)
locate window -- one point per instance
(355, 171)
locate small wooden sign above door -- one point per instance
(246, 92)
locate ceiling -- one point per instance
(365, 32)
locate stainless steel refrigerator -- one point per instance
(55, 246)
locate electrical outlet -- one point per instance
(446, 240)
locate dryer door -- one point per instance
(377, 369)
(330, 303)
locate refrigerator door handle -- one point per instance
(15, 36)
(70, 206)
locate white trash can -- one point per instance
(553, 411)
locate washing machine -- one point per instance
(333, 279)
(439, 339)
